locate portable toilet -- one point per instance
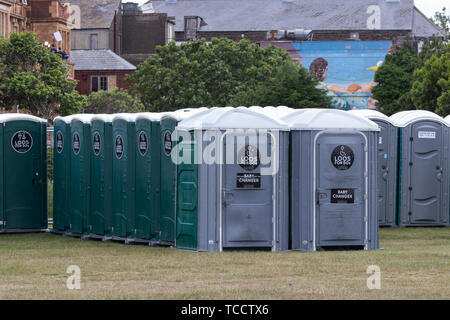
(232, 181)
(333, 180)
(387, 165)
(23, 165)
(148, 177)
(100, 225)
(80, 164)
(168, 172)
(61, 174)
(423, 183)
(124, 171)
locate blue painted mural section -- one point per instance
(346, 67)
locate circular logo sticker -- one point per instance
(119, 147)
(96, 143)
(59, 142)
(167, 142)
(143, 143)
(22, 141)
(342, 157)
(249, 158)
(76, 143)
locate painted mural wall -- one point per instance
(345, 68)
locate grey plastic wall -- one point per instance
(303, 195)
(435, 210)
(208, 236)
(387, 148)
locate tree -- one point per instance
(114, 101)
(395, 79)
(201, 74)
(35, 78)
(431, 88)
(291, 85)
(442, 19)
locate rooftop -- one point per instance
(99, 60)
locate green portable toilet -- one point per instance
(168, 172)
(123, 204)
(100, 225)
(23, 172)
(61, 174)
(148, 177)
(80, 154)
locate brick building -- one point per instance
(97, 70)
(142, 32)
(46, 18)
(96, 24)
(13, 17)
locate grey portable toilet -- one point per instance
(333, 180)
(232, 181)
(423, 183)
(387, 165)
(23, 173)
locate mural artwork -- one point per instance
(345, 68)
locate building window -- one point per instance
(99, 83)
(94, 41)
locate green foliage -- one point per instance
(442, 19)
(35, 78)
(431, 88)
(290, 85)
(50, 164)
(115, 101)
(199, 74)
(395, 79)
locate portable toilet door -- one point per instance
(100, 225)
(233, 190)
(123, 205)
(333, 180)
(387, 165)
(168, 172)
(80, 163)
(61, 174)
(423, 169)
(23, 158)
(148, 177)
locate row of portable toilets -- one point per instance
(229, 178)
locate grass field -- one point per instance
(415, 264)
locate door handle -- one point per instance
(227, 196)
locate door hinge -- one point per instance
(365, 219)
(273, 197)
(366, 174)
(272, 220)
(366, 196)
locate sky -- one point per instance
(428, 7)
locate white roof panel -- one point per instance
(83, 117)
(372, 115)
(325, 119)
(6, 117)
(404, 118)
(130, 117)
(183, 114)
(231, 118)
(103, 117)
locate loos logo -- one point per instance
(119, 147)
(76, 143)
(96, 143)
(342, 157)
(22, 141)
(249, 158)
(59, 142)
